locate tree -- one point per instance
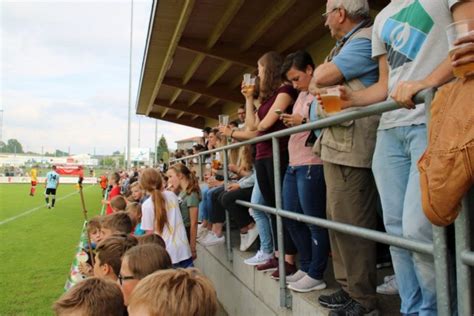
(12, 146)
(60, 153)
(162, 150)
(117, 152)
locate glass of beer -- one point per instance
(455, 31)
(249, 82)
(223, 120)
(331, 99)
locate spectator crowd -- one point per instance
(362, 172)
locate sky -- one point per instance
(64, 79)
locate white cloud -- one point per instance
(64, 75)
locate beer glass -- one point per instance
(455, 31)
(223, 120)
(331, 99)
(249, 82)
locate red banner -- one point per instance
(70, 170)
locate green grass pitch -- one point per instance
(36, 250)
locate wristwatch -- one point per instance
(303, 121)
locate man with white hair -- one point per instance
(346, 151)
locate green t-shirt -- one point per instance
(185, 202)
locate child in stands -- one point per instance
(114, 191)
(134, 211)
(174, 292)
(94, 297)
(151, 239)
(118, 203)
(108, 255)
(117, 223)
(161, 215)
(95, 236)
(180, 177)
(140, 261)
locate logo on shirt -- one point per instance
(405, 32)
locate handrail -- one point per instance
(437, 249)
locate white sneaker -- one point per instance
(201, 233)
(243, 241)
(295, 277)
(259, 258)
(212, 239)
(307, 284)
(251, 236)
(389, 287)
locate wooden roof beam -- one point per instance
(218, 73)
(196, 123)
(277, 10)
(309, 24)
(224, 52)
(220, 27)
(164, 112)
(219, 92)
(227, 17)
(193, 99)
(198, 109)
(179, 115)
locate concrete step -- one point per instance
(242, 290)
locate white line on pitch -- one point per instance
(35, 209)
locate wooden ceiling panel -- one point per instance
(181, 62)
(205, 16)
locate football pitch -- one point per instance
(38, 244)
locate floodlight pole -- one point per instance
(130, 91)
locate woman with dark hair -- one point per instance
(275, 96)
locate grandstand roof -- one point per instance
(197, 51)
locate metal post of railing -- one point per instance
(201, 171)
(285, 297)
(227, 217)
(440, 249)
(463, 271)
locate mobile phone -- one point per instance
(278, 112)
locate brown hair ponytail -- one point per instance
(152, 182)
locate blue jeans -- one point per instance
(203, 211)
(205, 207)
(262, 221)
(304, 192)
(396, 174)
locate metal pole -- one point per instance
(201, 171)
(285, 296)
(129, 133)
(463, 272)
(440, 249)
(227, 216)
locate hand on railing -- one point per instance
(405, 91)
(233, 187)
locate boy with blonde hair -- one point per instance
(174, 292)
(92, 297)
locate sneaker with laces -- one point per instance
(295, 277)
(249, 239)
(259, 258)
(389, 287)
(307, 284)
(289, 269)
(335, 300)
(353, 308)
(270, 265)
(212, 239)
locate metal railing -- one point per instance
(438, 249)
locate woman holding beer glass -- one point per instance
(275, 96)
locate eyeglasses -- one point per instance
(325, 14)
(122, 278)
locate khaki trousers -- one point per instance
(351, 199)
